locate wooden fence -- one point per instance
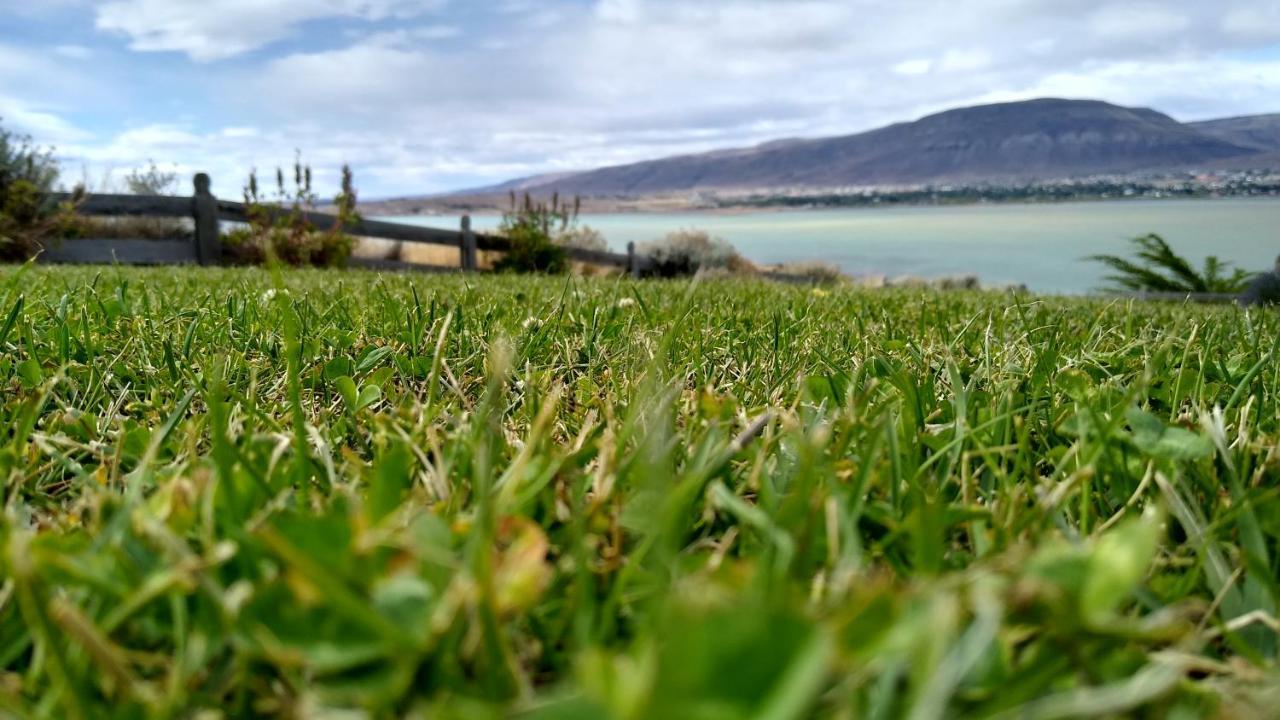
(207, 213)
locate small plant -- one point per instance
(685, 252)
(279, 227)
(534, 228)
(1156, 267)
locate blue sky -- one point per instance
(431, 95)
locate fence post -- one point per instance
(204, 210)
(633, 262)
(468, 245)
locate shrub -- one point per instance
(536, 230)
(587, 238)
(278, 226)
(1156, 267)
(28, 216)
(685, 252)
(21, 160)
(815, 271)
(151, 180)
(582, 238)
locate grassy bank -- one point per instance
(450, 496)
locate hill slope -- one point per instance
(1036, 139)
(1255, 131)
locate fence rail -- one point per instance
(208, 213)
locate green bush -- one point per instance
(279, 229)
(22, 160)
(28, 216)
(1156, 267)
(535, 230)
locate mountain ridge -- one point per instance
(1041, 139)
(1029, 141)
(1261, 131)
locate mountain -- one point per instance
(1256, 131)
(1036, 140)
(1042, 139)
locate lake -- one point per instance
(1041, 246)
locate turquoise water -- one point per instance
(1041, 246)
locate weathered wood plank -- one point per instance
(125, 251)
(598, 257)
(398, 266)
(143, 205)
(416, 233)
(235, 212)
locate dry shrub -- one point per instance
(816, 271)
(686, 252)
(582, 238)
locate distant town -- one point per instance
(1131, 186)
(1245, 183)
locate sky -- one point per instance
(424, 96)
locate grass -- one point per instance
(328, 493)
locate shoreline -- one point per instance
(741, 210)
(745, 210)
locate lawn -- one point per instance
(323, 493)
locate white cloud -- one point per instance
(1201, 89)
(966, 60)
(644, 78)
(216, 29)
(47, 127)
(422, 96)
(1260, 22)
(32, 99)
(918, 66)
(1138, 20)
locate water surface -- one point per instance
(1041, 246)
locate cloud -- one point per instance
(423, 96)
(1258, 23)
(1145, 21)
(31, 100)
(917, 66)
(1200, 89)
(209, 30)
(47, 127)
